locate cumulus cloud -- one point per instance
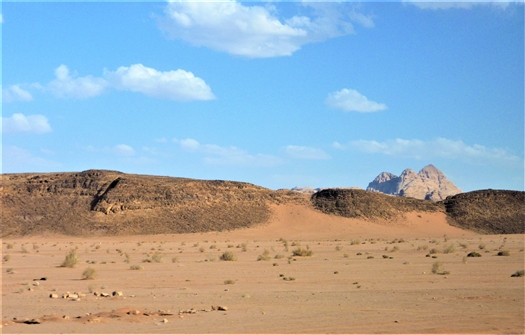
(15, 93)
(301, 152)
(68, 86)
(29, 124)
(229, 156)
(350, 100)
(437, 148)
(123, 150)
(174, 85)
(255, 31)
(460, 4)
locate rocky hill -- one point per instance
(101, 202)
(113, 203)
(488, 211)
(429, 184)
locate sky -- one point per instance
(278, 94)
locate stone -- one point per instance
(53, 296)
(117, 293)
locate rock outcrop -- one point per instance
(428, 184)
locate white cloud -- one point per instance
(174, 85)
(301, 152)
(254, 31)
(65, 85)
(437, 148)
(20, 123)
(350, 100)
(15, 93)
(15, 159)
(123, 150)
(459, 4)
(1, 18)
(229, 156)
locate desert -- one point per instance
(300, 271)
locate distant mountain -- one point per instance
(429, 184)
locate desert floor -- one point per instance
(361, 278)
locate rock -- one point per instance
(96, 294)
(219, 308)
(53, 296)
(73, 296)
(134, 312)
(36, 283)
(105, 295)
(165, 321)
(117, 293)
(428, 184)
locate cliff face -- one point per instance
(429, 184)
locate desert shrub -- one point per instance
(244, 247)
(71, 260)
(474, 254)
(463, 245)
(385, 256)
(265, 256)
(24, 250)
(229, 282)
(10, 270)
(449, 249)
(437, 268)
(345, 255)
(433, 251)
(228, 256)
(520, 273)
(89, 273)
(156, 257)
(230, 246)
(175, 259)
(213, 246)
(422, 247)
(136, 267)
(356, 241)
(503, 253)
(370, 257)
(394, 249)
(338, 248)
(302, 252)
(296, 244)
(201, 249)
(10, 246)
(7, 258)
(481, 246)
(289, 278)
(279, 256)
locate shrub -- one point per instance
(71, 260)
(449, 249)
(24, 250)
(7, 258)
(481, 246)
(520, 273)
(302, 252)
(156, 257)
(338, 248)
(265, 256)
(356, 241)
(136, 267)
(433, 251)
(229, 282)
(10, 245)
(474, 254)
(437, 268)
(228, 256)
(174, 260)
(10, 270)
(504, 253)
(279, 256)
(89, 273)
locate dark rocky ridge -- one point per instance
(488, 211)
(113, 203)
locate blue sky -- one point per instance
(277, 94)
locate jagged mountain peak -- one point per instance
(429, 183)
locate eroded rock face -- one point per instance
(429, 183)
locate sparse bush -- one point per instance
(338, 248)
(10, 246)
(24, 250)
(474, 254)
(422, 247)
(356, 241)
(434, 251)
(136, 267)
(345, 255)
(7, 258)
(174, 260)
(370, 257)
(228, 256)
(449, 249)
(394, 249)
(279, 256)
(89, 273)
(229, 282)
(156, 257)
(213, 246)
(201, 249)
(302, 252)
(520, 273)
(437, 268)
(296, 244)
(265, 256)
(463, 245)
(503, 253)
(10, 270)
(71, 260)
(481, 246)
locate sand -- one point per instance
(362, 277)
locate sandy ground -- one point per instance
(361, 278)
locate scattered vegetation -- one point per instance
(229, 282)
(71, 260)
(89, 274)
(136, 267)
(302, 252)
(449, 249)
(265, 256)
(437, 268)
(7, 258)
(503, 253)
(520, 273)
(228, 256)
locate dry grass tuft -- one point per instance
(89, 274)
(228, 256)
(71, 260)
